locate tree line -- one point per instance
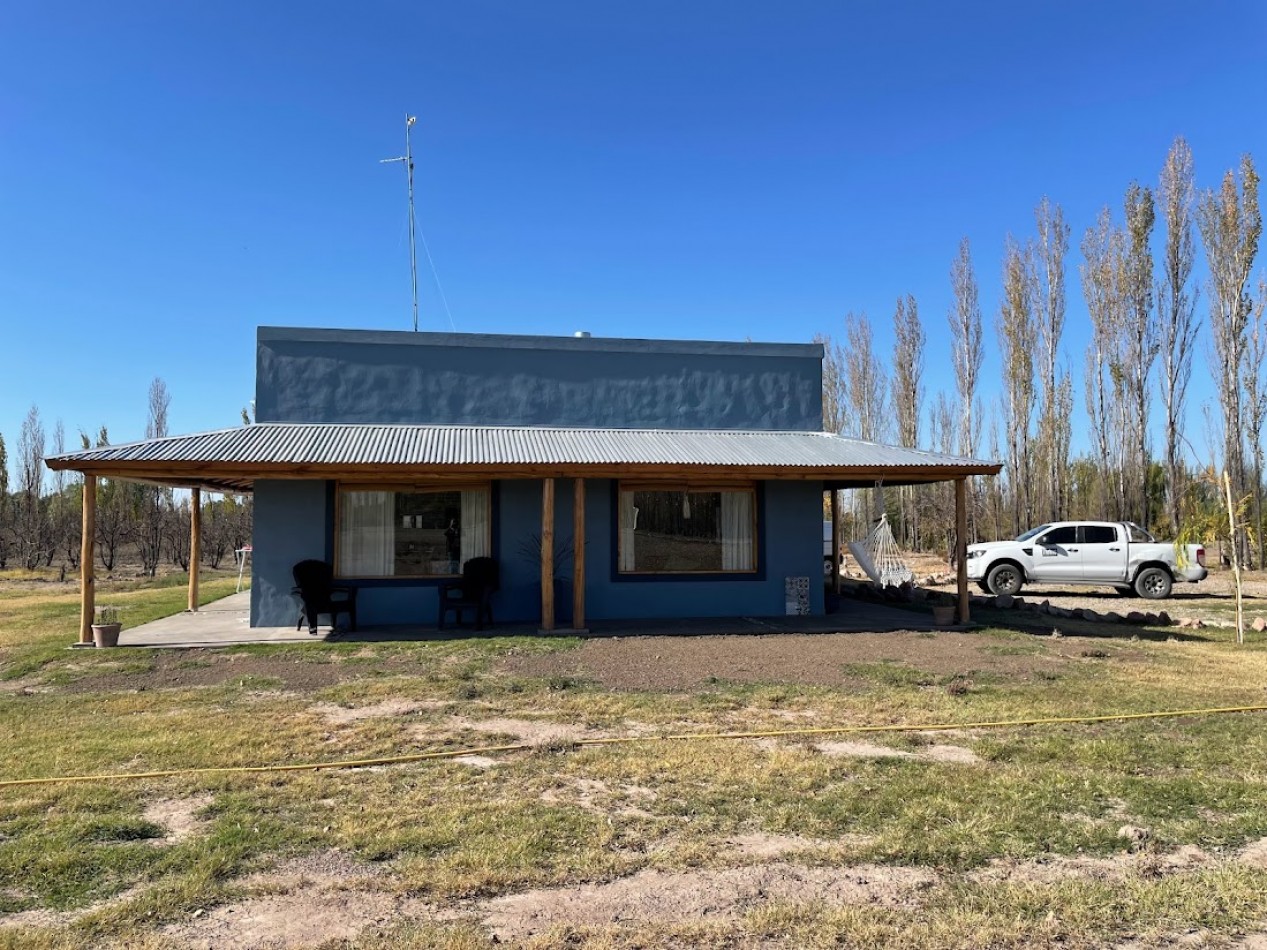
(142, 525)
(1145, 311)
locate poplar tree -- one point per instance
(152, 502)
(965, 335)
(1102, 287)
(908, 395)
(1017, 329)
(33, 535)
(834, 397)
(866, 383)
(1230, 225)
(966, 354)
(1057, 395)
(1137, 350)
(1176, 308)
(1256, 406)
(113, 513)
(6, 507)
(867, 390)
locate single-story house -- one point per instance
(647, 478)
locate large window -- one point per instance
(687, 531)
(410, 532)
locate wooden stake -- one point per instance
(195, 544)
(578, 554)
(547, 554)
(835, 541)
(961, 546)
(87, 582)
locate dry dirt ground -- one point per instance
(1211, 600)
(327, 898)
(182, 669)
(627, 663)
(682, 663)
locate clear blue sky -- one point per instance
(175, 174)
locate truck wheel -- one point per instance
(1153, 583)
(1004, 579)
(827, 567)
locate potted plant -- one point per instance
(944, 610)
(106, 626)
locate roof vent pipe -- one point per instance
(581, 334)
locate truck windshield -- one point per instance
(1033, 532)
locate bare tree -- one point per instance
(160, 401)
(965, 336)
(1230, 224)
(113, 513)
(966, 354)
(1176, 306)
(1049, 309)
(943, 428)
(1256, 406)
(908, 396)
(1102, 279)
(867, 391)
(177, 529)
(33, 530)
(6, 507)
(866, 382)
(993, 487)
(152, 503)
(1017, 331)
(834, 397)
(1138, 349)
(64, 507)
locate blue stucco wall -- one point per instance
(293, 520)
(291, 524)
(473, 379)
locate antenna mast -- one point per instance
(408, 159)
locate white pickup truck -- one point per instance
(1118, 554)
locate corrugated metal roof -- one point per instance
(357, 445)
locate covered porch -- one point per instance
(226, 623)
(568, 477)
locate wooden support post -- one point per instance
(547, 554)
(87, 581)
(961, 546)
(578, 554)
(835, 541)
(195, 544)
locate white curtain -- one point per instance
(628, 522)
(736, 531)
(367, 534)
(475, 514)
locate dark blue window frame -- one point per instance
(729, 577)
(332, 490)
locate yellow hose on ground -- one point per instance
(625, 740)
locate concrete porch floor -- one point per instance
(226, 622)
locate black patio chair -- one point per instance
(318, 594)
(480, 580)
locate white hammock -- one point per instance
(879, 558)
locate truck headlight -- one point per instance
(972, 554)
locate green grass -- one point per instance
(452, 833)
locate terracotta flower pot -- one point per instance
(943, 616)
(106, 634)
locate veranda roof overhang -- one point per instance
(232, 460)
